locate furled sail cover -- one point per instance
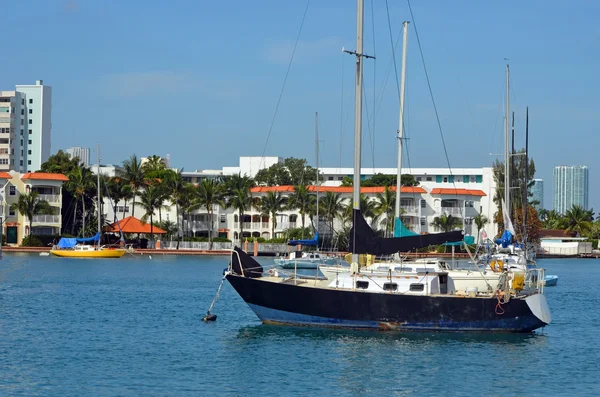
(241, 261)
(72, 242)
(312, 242)
(363, 240)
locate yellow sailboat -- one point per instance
(80, 247)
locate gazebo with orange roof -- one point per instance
(133, 225)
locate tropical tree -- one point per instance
(240, 196)
(300, 200)
(480, 222)
(29, 205)
(578, 220)
(210, 193)
(173, 187)
(331, 206)
(385, 205)
(446, 222)
(550, 219)
(150, 202)
(291, 171)
(81, 182)
(133, 173)
(270, 205)
(153, 166)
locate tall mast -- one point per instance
(401, 129)
(513, 170)
(506, 146)
(317, 164)
(526, 189)
(98, 187)
(357, 118)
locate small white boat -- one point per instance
(304, 260)
(550, 280)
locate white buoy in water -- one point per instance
(149, 256)
(44, 254)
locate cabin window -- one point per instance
(417, 287)
(390, 287)
(362, 284)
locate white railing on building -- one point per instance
(451, 210)
(51, 198)
(46, 218)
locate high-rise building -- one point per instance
(25, 127)
(537, 193)
(82, 152)
(37, 132)
(570, 187)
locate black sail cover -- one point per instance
(244, 264)
(363, 240)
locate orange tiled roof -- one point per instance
(466, 192)
(337, 189)
(45, 176)
(133, 225)
(5, 175)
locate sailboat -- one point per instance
(424, 301)
(81, 247)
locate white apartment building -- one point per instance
(25, 127)
(83, 153)
(464, 192)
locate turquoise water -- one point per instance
(132, 327)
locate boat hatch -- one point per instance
(443, 283)
(417, 287)
(362, 284)
(390, 287)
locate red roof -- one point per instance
(133, 225)
(466, 192)
(5, 175)
(337, 189)
(45, 176)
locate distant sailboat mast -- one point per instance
(397, 221)
(506, 146)
(317, 165)
(99, 194)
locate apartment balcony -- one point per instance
(46, 219)
(454, 211)
(51, 198)
(409, 210)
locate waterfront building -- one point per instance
(83, 153)
(49, 187)
(537, 193)
(464, 193)
(25, 127)
(570, 187)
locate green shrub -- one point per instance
(32, 241)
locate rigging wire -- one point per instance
(342, 115)
(437, 117)
(374, 80)
(285, 80)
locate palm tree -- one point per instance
(133, 174)
(331, 205)
(240, 196)
(29, 205)
(446, 222)
(81, 180)
(367, 208)
(149, 201)
(153, 165)
(300, 200)
(188, 202)
(173, 186)
(385, 204)
(210, 193)
(551, 219)
(480, 221)
(271, 204)
(578, 220)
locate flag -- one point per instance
(483, 234)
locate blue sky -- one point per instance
(200, 79)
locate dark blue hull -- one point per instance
(289, 304)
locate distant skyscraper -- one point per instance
(537, 193)
(36, 135)
(25, 127)
(570, 187)
(82, 152)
